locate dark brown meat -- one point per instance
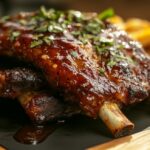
(86, 60)
(40, 106)
(15, 82)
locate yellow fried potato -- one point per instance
(136, 25)
(118, 21)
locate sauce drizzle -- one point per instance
(34, 134)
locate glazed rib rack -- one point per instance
(86, 60)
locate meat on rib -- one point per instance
(85, 59)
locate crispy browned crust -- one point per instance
(40, 106)
(15, 82)
(43, 106)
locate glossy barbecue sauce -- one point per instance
(63, 45)
(35, 134)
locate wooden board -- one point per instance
(138, 141)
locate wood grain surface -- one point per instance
(138, 141)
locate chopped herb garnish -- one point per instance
(77, 15)
(58, 29)
(36, 43)
(101, 49)
(106, 14)
(111, 63)
(120, 46)
(83, 40)
(106, 41)
(41, 28)
(120, 57)
(37, 36)
(86, 31)
(74, 54)
(50, 28)
(5, 18)
(75, 33)
(93, 27)
(23, 22)
(101, 71)
(55, 28)
(49, 14)
(130, 60)
(43, 11)
(14, 35)
(48, 39)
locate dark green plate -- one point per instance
(78, 133)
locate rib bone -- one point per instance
(115, 120)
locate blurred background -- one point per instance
(124, 8)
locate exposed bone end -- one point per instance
(115, 120)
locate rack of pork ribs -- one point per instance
(83, 64)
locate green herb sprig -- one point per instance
(14, 35)
(106, 14)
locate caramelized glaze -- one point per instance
(81, 69)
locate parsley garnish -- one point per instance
(106, 14)
(106, 42)
(5, 18)
(74, 54)
(101, 71)
(111, 63)
(50, 24)
(36, 43)
(43, 11)
(49, 14)
(101, 49)
(42, 28)
(23, 22)
(14, 35)
(93, 26)
(48, 39)
(55, 28)
(72, 14)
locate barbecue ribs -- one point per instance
(84, 58)
(14, 82)
(40, 106)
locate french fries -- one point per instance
(138, 29)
